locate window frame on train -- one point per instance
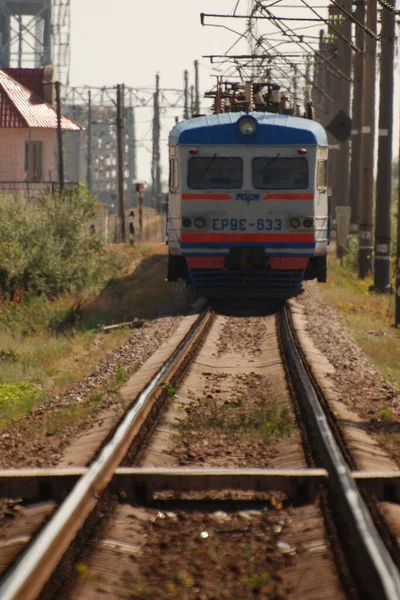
(256, 170)
(213, 162)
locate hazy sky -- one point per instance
(128, 41)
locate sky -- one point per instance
(129, 41)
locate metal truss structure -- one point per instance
(96, 109)
(36, 33)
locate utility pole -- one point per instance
(197, 88)
(294, 83)
(356, 140)
(383, 217)
(121, 158)
(131, 151)
(397, 313)
(191, 101)
(61, 177)
(156, 158)
(366, 188)
(89, 145)
(186, 95)
(343, 62)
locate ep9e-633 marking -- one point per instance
(246, 225)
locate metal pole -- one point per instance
(156, 158)
(356, 140)
(197, 88)
(131, 146)
(343, 62)
(191, 100)
(121, 158)
(383, 217)
(61, 178)
(366, 189)
(294, 83)
(89, 144)
(20, 40)
(397, 313)
(186, 95)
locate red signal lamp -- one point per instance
(193, 151)
(302, 151)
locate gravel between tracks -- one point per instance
(233, 407)
(356, 381)
(27, 444)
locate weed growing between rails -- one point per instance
(237, 416)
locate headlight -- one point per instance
(187, 223)
(308, 222)
(200, 223)
(295, 223)
(247, 126)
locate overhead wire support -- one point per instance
(333, 28)
(256, 17)
(331, 67)
(350, 16)
(249, 56)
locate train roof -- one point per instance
(273, 130)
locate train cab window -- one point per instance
(321, 174)
(280, 173)
(173, 175)
(215, 172)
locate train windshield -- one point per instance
(215, 172)
(280, 173)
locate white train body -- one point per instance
(247, 204)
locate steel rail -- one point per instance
(375, 570)
(31, 572)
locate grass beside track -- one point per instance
(46, 346)
(370, 317)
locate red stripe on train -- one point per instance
(290, 263)
(206, 197)
(247, 237)
(205, 262)
(288, 197)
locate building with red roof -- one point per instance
(28, 131)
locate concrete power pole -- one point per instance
(131, 151)
(366, 188)
(343, 62)
(61, 177)
(156, 158)
(191, 101)
(383, 217)
(186, 95)
(197, 88)
(121, 158)
(89, 174)
(356, 141)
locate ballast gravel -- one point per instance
(27, 444)
(357, 383)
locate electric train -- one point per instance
(247, 204)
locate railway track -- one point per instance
(349, 496)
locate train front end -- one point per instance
(248, 208)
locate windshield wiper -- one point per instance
(210, 162)
(269, 163)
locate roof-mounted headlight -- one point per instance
(247, 125)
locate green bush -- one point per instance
(48, 250)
